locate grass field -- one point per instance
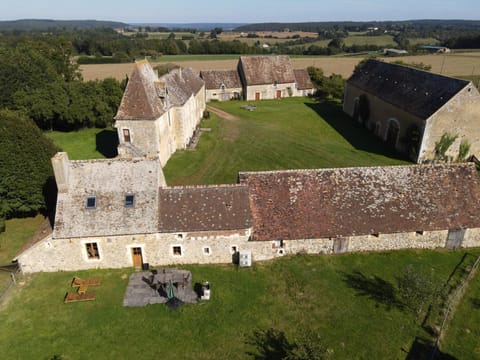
(451, 64)
(384, 40)
(292, 133)
(86, 143)
(461, 337)
(17, 233)
(337, 297)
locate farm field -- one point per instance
(293, 133)
(346, 300)
(454, 64)
(384, 40)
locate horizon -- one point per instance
(246, 12)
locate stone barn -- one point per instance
(119, 213)
(303, 84)
(411, 110)
(266, 77)
(157, 116)
(222, 85)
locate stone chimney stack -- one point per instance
(61, 166)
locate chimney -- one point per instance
(60, 165)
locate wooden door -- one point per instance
(340, 245)
(257, 96)
(126, 135)
(279, 94)
(137, 257)
(455, 238)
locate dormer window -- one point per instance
(91, 202)
(129, 200)
(222, 87)
(275, 83)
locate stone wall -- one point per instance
(268, 91)
(212, 248)
(381, 113)
(223, 95)
(460, 117)
(144, 134)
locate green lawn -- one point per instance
(294, 133)
(463, 332)
(17, 233)
(336, 297)
(86, 143)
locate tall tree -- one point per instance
(25, 169)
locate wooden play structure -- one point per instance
(82, 286)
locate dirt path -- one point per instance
(231, 129)
(220, 113)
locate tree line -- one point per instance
(41, 88)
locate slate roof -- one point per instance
(204, 208)
(303, 204)
(145, 95)
(262, 70)
(418, 92)
(140, 100)
(109, 180)
(215, 78)
(303, 79)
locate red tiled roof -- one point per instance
(303, 79)
(214, 79)
(326, 203)
(262, 70)
(140, 100)
(204, 208)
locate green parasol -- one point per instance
(170, 293)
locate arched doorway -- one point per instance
(392, 133)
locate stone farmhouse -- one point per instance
(120, 213)
(222, 85)
(411, 109)
(258, 78)
(157, 116)
(115, 213)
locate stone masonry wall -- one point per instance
(380, 115)
(211, 248)
(461, 117)
(268, 91)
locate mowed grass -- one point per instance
(295, 295)
(17, 233)
(463, 332)
(293, 133)
(86, 143)
(383, 40)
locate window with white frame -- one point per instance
(92, 250)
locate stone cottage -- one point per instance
(411, 109)
(119, 212)
(272, 77)
(158, 116)
(258, 78)
(222, 85)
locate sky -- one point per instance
(238, 11)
